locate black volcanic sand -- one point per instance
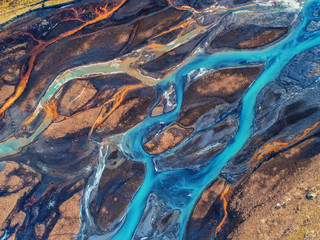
(223, 86)
(116, 190)
(269, 201)
(283, 180)
(221, 89)
(42, 186)
(274, 196)
(52, 170)
(243, 38)
(171, 58)
(200, 5)
(279, 113)
(207, 213)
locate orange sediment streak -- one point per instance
(263, 151)
(277, 146)
(260, 154)
(174, 28)
(32, 117)
(103, 14)
(225, 197)
(51, 109)
(51, 112)
(32, 200)
(117, 99)
(315, 72)
(183, 7)
(20, 88)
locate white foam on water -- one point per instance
(92, 186)
(291, 5)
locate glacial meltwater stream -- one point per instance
(179, 189)
(182, 188)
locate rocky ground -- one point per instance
(65, 170)
(280, 200)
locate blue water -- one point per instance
(181, 188)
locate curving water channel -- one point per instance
(185, 185)
(179, 188)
